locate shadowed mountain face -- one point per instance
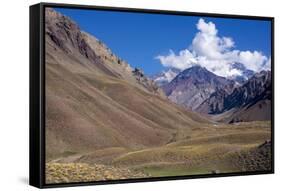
(251, 101)
(215, 103)
(95, 100)
(248, 102)
(255, 89)
(193, 86)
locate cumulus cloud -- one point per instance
(215, 53)
(184, 59)
(253, 60)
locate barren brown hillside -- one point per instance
(94, 100)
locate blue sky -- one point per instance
(138, 38)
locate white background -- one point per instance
(14, 88)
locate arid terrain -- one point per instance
(106, 120)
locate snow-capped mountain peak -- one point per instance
(165, 76)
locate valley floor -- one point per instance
(214, 148)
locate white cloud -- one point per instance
(183, 60)
(252, 60)
(215, 53)
(206, 28)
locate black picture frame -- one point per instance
(37, 93)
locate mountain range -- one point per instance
(251, 101)
(202, 91)
(169, 74)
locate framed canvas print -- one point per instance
(126, 95)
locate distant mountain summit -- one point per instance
(245, 73)
(165, 77)
(193, 86)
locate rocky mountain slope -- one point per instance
(248, 102)
(251, 101)
(255, 89)
(255, 159)
(215, 103)
(95, 100)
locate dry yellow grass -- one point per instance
(198, 154)
(81, 172)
